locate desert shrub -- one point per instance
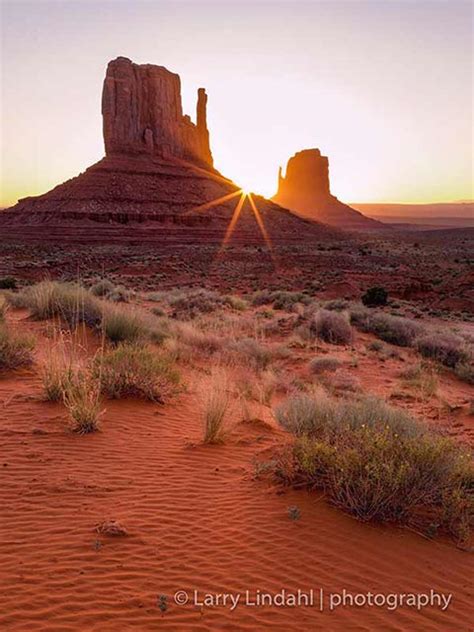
(336, 305)
(16, 350)
(375, 297)
(281, 299)
(133, 371)
(206, 343)
(81, 397)
(393, 329)
(191, 303)
(446, 348)
(158, 311)
(8, 283)
(324, 364)
(303, 414)
(331, 327)
(102, 288)
(251, 352)
(378, 464)
(465, 372)
(216, 405)
(120, 294)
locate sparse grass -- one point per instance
(215, 408)
(56, 374)
(377, 463)
(16, 350)
(446, 348)
(135, 371)
(332, 327)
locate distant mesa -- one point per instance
(157, 180)
(305, 190)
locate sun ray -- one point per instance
(207, 205)
(260, 223)
(233, 222)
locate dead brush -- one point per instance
(216, 406)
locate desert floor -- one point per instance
(199, 517)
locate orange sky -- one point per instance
(383, 88)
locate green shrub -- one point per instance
(133, 371)
(375, 297)
(331, 327)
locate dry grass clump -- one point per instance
(3, 310)
(206, 343)
(16, 350)
(423, 379)
(393, 329)
(331, 326)
(216, 405)
(122, 324)
(251, 352)
(446, 348)
(135, 371)
(377, 463)
(324, 365)
(68, 301)
(116, 293)
(81, 397)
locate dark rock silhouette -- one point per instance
(305, 190)
(156, 181)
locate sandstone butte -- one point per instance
(305, 190)
(157, 181)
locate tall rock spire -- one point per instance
(142, 113)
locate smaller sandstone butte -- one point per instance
(142, 114)
(305, 190)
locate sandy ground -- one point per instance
(197, 518)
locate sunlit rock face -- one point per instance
(305, 190)
(142, 114)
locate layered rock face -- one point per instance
(142, 114)
(305, 190)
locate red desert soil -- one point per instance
(195, 517)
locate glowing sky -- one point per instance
(384, 88)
